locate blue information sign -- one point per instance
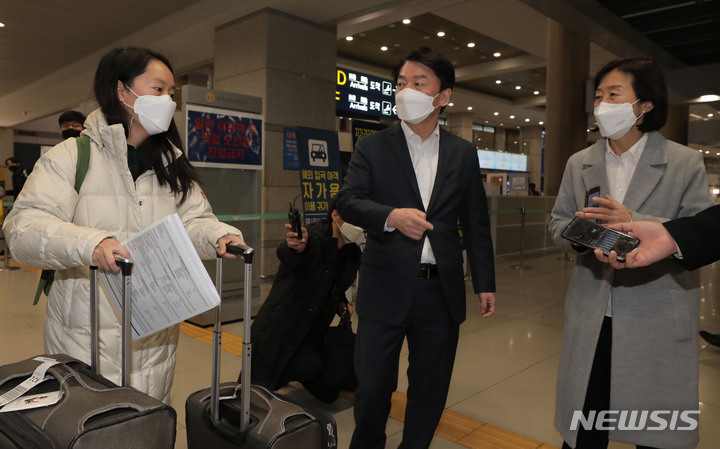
(290, 150)
(319, 155)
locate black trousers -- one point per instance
(598, 392)
(432, 338)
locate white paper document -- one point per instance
(169, 281)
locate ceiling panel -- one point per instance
(41, 36)
(688, 30)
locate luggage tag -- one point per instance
(33, 401)
(37, 378)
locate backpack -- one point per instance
(81, 168)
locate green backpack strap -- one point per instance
(46, 279)
(81, 168)
(83, 161)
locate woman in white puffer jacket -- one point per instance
(137, 175)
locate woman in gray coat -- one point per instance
(629, 367)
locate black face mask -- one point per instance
(70, 132)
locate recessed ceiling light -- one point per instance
(541, 123)
(348, 38)
(537, 92)
(512, 117)
(451, 104)
(406, 21)
(518, 87)
(441, 33)
(498, 82)
(707, 152)
(383, 48)
(527, 120)
(469, 108)
(496, 114)
(709, 98)
(2, 24)
(497, 54)
(471, 44)
(710, 115)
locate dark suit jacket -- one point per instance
(697, 237)
(381, 178)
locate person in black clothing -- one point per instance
(533, 190)
(19, 175)
(308, 291)
(71, 123)
(695, 238)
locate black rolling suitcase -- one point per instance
(232, 415)
(92, 412)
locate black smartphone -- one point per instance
(295, 221)
(588, 233)
(590, 193)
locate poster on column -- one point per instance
(290, 153)
(319, 156)
(224, 138)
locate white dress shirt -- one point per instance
(424, 156)
(620, 170)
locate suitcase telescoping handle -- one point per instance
(247, 253)
(126, 269)
(94, 322)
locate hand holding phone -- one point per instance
(592, 235)
(295, 221)
(590, 193)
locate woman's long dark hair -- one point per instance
(124, 65)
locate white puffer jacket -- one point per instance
(53, 227)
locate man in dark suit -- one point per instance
(409, 186)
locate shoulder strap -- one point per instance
(83, 160)
(44, 283)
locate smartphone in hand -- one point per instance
(295, 221)
(590, 193)
(592, 235)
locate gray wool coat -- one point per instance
(655, 309)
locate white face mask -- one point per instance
(351, 233)
(615, 119)
(154, 111)
(413, 106)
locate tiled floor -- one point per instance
(504, 378)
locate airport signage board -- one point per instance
(361, 94)
(496, 160)
(319, 157)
